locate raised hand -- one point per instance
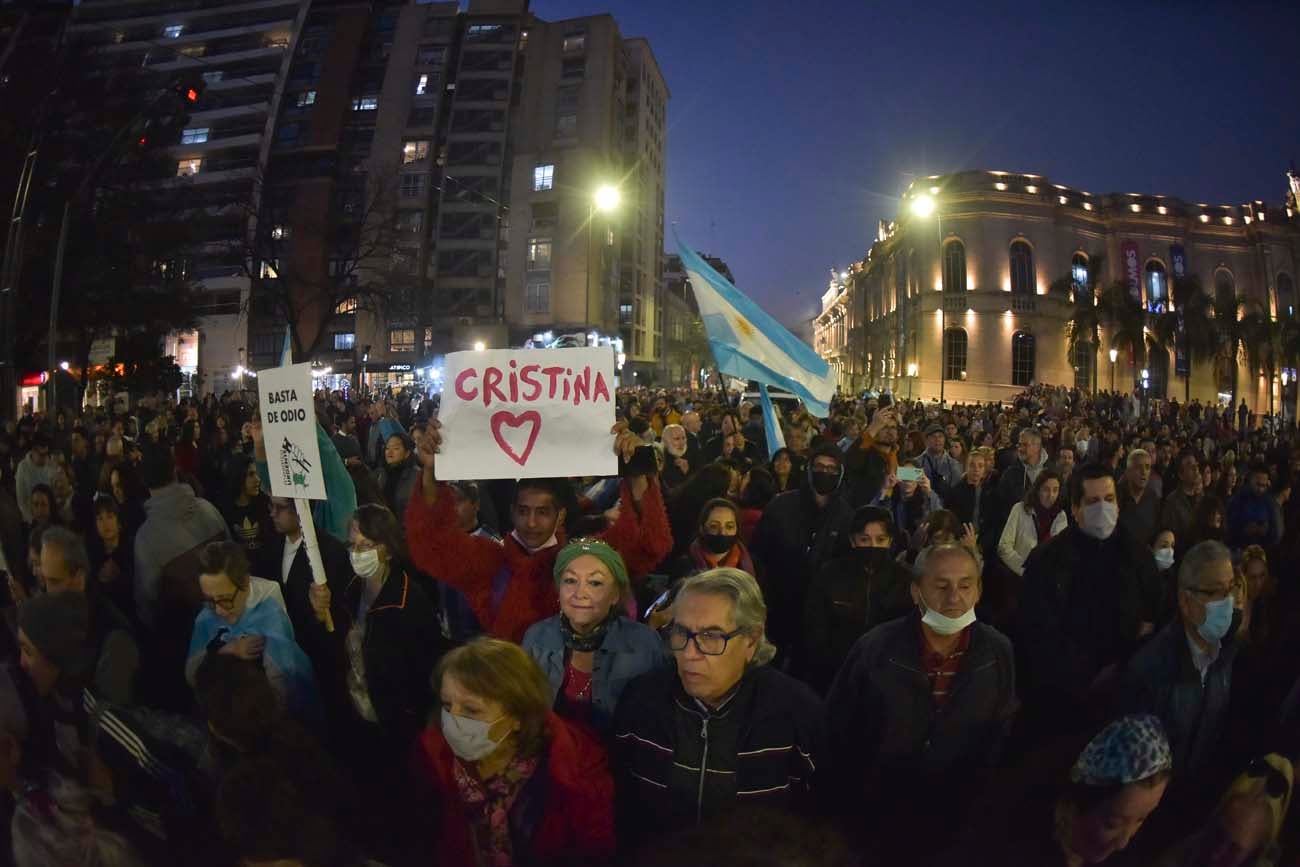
(625, 442)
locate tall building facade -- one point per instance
(241, 50)
(977, 293)
(432, 187)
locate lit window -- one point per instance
(307, 97)
(543, 177)
(188, 167)
(539, 254)
(1205, 218)
(575, 42)
(1079, 271)
(173, 31)
(347, 305)
(193, 51)
(212, 77)
(270, 269)
(279, 233)
(401, 340)
(195, 135)
(345, 340)
(412, 151)
(483, 32)
(365, 103)
(422, 85)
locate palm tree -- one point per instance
(1111, 307)
(1290, 351)
(1187, 328)
(1231, 330)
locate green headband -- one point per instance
(601, 551)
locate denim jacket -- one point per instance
(630, 649)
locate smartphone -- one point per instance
(909, 474)
(643, 463)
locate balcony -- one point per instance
(955, 302)
(1024, 303)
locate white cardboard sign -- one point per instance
(529, 413)
(289, 431)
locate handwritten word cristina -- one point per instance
(530, 383)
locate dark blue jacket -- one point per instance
(1161, 679)
(630, 649)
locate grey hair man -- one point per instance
(722, 727)
(1184, 673)
(889, 729)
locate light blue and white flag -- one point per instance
(771, 427)
(748, 343)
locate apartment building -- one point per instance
(431, 187)
(241, 51)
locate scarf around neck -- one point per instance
(589, 642)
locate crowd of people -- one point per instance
(1058, 630)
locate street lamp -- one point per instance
(1114, 354)
(911, 375)
(923, 206)
(606, 199)
(479, 346)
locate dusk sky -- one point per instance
(794, 126)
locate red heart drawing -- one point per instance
(532, 417)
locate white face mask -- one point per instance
(468, 738)
(365, 563)
(945, 625)
(1099, 519)
(1164, 558)
(1081, 446)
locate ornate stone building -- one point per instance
(955, 297)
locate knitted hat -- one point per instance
(1130, 749)
(601, 551)
(58, 624)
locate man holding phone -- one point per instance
(873, 457)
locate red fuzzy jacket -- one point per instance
(440, 548)
(577, 817)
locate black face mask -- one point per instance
(717, 543)
(824, 482)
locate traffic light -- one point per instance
(189, 87)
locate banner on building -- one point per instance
(519, 414)
(1132, 268)
(289, 430)
(1178, 260)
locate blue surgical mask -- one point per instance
(1164, 558)
(1099, 519)
(1218, 620)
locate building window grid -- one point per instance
(539, 254)
(538, 298)
(401, 340)
(543, 177)
(413, 151)
(1023, 351)
(954, 266)
(195, 135)
(344, 340)
(1079, 271)
(954, 354)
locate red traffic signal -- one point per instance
(191, 94)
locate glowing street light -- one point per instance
(923, 205)
(479, 346)
(1114, 354)
(607, 198)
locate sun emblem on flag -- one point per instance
(743, 326)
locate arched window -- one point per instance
(1022, 268)
(1022, 358)
(954, 354)
(1085, 359)
(1157, 286)
(1079, 272)
(954, 266)
(1225, 288)
(1285, 296)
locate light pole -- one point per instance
(911, 375)
(923, 206)
(606, 199)
(1114, 354)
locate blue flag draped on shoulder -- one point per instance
(748, 343)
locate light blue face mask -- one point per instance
(1218, 620)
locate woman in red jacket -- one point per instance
(514, 783)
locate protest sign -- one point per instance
(289, 430)
(527, 413)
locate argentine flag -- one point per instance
(748, 343)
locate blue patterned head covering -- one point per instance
(1130, 749)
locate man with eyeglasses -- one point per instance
(723, 729)
(1184, 674)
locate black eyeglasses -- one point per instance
(224, 603)
(1275, 783)
(710, 642)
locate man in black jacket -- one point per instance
(799, 533)
(851, 595)
(1090, 594)
(722, 732)
(922, 704)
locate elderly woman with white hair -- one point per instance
(723, 729)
